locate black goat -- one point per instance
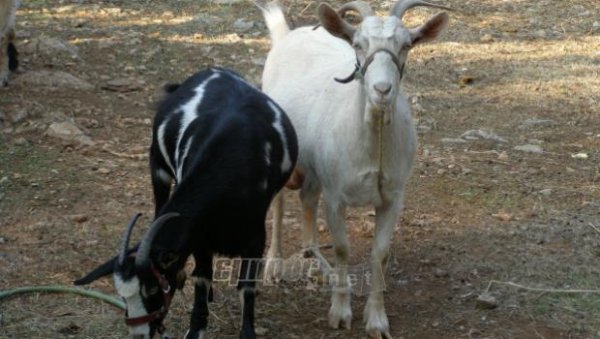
(8, 51)
(230, 149)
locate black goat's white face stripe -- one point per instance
(286, 164)
(130, 291)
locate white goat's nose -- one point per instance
(382, 87)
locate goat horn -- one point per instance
(361, 7)
(143, 253)
(126, 237)
(401, 6)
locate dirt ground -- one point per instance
(506, 187)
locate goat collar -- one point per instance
(158, 315)
(359, 71)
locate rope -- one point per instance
(380, 156)
(63, 289)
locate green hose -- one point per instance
(63, 289)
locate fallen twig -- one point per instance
(594, 227)
(63, 289)
(537, 289)
(141, 156)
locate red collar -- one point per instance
(161, 312)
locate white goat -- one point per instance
(357, 141)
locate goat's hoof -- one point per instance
(340, 318)
(377, 325)
(273, 269)
(195, 335)
(379, 335)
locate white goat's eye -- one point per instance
(357, 46)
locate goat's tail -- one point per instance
(275, 20)
(170, 88)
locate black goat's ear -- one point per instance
(165, 260)
(102, 270)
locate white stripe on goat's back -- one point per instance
(286, 164)
(268, 153)
(161, 144)
(188, 145)
(190, 113)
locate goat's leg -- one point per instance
(340, 312)
(309, 197)
(202, 290)
(4, 70)
(274, 262)
(247, 290)
(376, 320)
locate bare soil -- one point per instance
(477, 210)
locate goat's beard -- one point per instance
(373, 113)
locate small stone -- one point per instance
(580, 155)
(104, 170)
(486, 38)
(53, 80)
(503, 216)
(69, 132)
(529, 123)
(261, 331)
(123, 85)
(243, 25)
(546, 192)
(476, 134)
(20, 116)
(486, 301)
(453, 141)
(440, 273)
(529, 148)
(79, 218)
(21, 141)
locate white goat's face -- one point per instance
(381, 46)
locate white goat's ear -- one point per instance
(335, 25)
(429, 30)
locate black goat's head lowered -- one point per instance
(147, 288)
